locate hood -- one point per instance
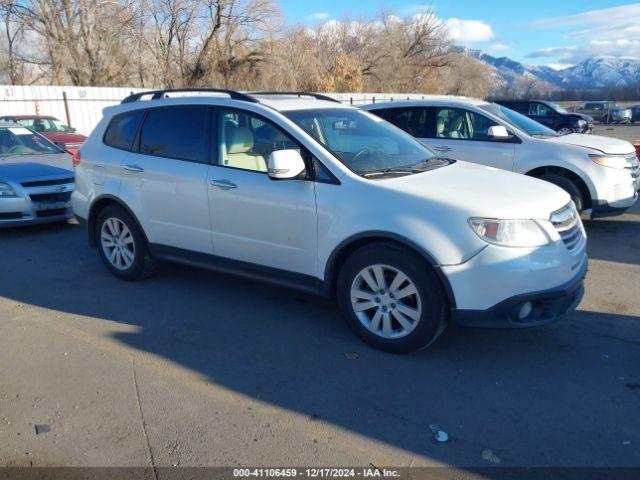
(583, 116)
(611, 146)
(60, 160)
(19, 172)
(480, 191)
(66, 137)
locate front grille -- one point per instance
(10, 215)
(634, 165)
(50, 197)
(567, 222)
(54, 212)
(46, 183)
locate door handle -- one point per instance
(442, 148)
(133, 168)
(223, 184)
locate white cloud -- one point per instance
(319, 17)
(595, 48)
(499, 47)
(468, 31)
(611, 31)
(604, 16)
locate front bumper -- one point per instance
(21, 211)
(546, 306)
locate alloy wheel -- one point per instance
(386, 301)
(117, 243)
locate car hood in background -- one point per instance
(66, 137)
(60, 160)
(611, 146)
(583, 116)
(19, 172)
(479, 191)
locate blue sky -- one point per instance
(544, 32)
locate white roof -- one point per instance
(429, 100)
(293, 102)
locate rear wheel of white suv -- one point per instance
(391, 298)
(121, 245)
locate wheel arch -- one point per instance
(353, 243)
(570, 174)
(99, 204)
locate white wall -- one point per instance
(86, 103)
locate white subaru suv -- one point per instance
(303, 191)
(601, 174)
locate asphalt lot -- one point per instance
(194, 368)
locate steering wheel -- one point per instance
(361, 154)
(16, 149)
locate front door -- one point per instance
(462, 135)
(254, 219)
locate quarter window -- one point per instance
(122, 130)
(176, 132)
(247, 140)
(459, 124)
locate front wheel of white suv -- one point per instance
(121, 245)
(391, 298)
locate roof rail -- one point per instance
(157, 94)
(317, 96)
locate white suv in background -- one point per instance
(303, 191)
(601, 174)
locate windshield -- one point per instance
(46, 125)
(557, 107)
(362, 141)
(22, 141)
(519, 121)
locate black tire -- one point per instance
(568, 186)
(568, 128)
(433, 300)
(143, 265)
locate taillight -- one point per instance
(76, 158)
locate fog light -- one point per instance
(525, 310)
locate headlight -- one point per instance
(509, 233)
(6, 190)
(582, 123)
(612, 161)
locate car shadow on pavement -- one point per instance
(488, 389)
(615, 239)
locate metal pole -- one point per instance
(66, 107)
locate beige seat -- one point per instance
(239, 150)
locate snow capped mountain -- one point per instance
(602, 72)
(592, 73)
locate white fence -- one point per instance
(81, 107)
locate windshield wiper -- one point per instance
(389, 171)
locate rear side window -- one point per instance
(412, 120)
(122, 130)
(176, 132)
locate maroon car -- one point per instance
(51, 128)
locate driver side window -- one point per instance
(460, 124)
(247, 140)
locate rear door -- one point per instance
(164, 180)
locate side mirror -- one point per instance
(284, 164)
(498, 132)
